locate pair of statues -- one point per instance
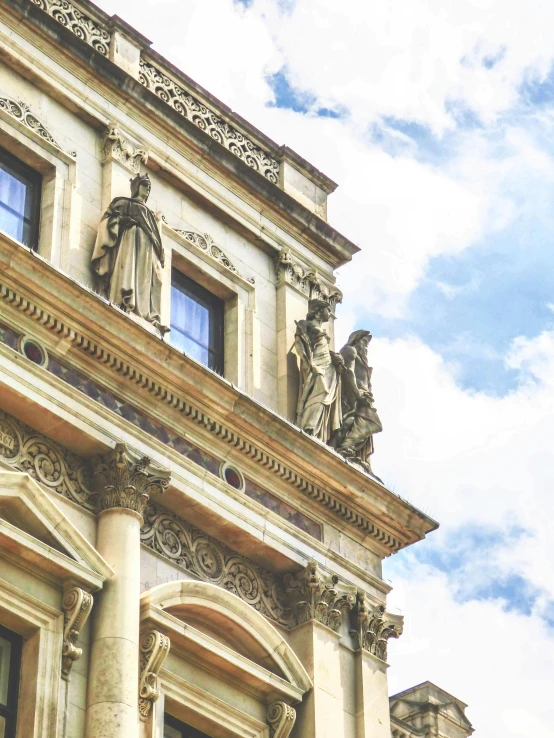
(335, 402)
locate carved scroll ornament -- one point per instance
(373, 626)
(78, 23)
(77, 605)
(314, 596)
(307, 281)
(124, 480)
(154, 647)
(206, 243)
(115, 145)
(280, 718)
(22, 112)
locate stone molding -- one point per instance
(205, 243)
(78, 23)
(315, 596)
(126, 371)
(125, 480)
(154, 647)
(22, 112)
(116, 146)
(214, 562)
(56, 468)
(280, 719)
(307, 281)
(77, 605)
(207, 120)
(373, 626)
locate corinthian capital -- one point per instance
(315, 596)
(372, 627)
(124, 479)
(117, 147)
(308, 281)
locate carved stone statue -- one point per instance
(319, 405)
(128, 255)
(360, 421)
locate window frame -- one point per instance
(9, 711)
(174, 722)
(33, 183)
(216, 308)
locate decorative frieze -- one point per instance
(372, 627)
(205, 243)
(154, 647)
(207, 120)
(77, 605)
(280, 719)
(116, 146)
(78, 23)
(306, 281)
(125, 480)
(315, 596)
(56, 468)
(212, 561)
(22, 112)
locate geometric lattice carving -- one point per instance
(372, 627)
(207, 120)
(314, 596)
(54, 467)
(78, 23)
(212, 561)
(280, 718)
(77, 605)
(154, 647)
(118, 147)
(126, 480)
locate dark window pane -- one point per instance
(174, 728)
(10, 663)
(196, 321)
(19, 199)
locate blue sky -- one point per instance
(436, 118)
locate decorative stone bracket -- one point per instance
(308, 282)
(372, 627)
(76, 605)
(280, 718)
(154, 647)
(125, 480)
(116, 146)
(313, 596)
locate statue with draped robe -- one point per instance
(319, 401)
(360, 420)
(128, 256)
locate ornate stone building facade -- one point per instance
(191, 531)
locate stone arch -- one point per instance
(214, 601)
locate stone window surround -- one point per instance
(238, 294)
(59, 178)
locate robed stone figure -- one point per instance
(319, 401)
(360, 420)
(128, 255)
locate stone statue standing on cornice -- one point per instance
(128, 255)
(319, 401)
(360, 421)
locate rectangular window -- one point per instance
(19, 200)
(10, 664)
(175, 729)
(196, 321)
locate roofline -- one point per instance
(427, 683)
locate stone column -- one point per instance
(371, 629)
(124, 483)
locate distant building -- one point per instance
(179, 558)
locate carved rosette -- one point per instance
(117, 147)
(307, 281)
(125, 480)
(313, 596)
(154, 647)
(373, 626)
(76, 605)
(280, 718)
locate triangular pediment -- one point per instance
(33, 527)
(454, 712)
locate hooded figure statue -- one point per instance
(128, 255)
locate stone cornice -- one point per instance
(90, 330)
